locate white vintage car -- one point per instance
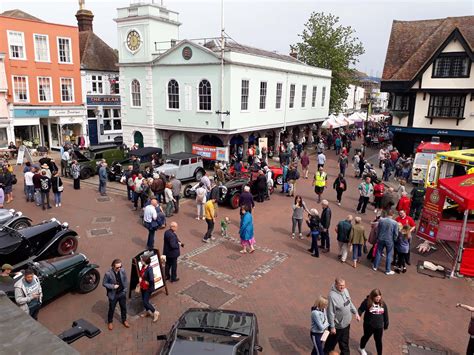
(185, 166)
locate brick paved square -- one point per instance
(99, 232)
(204, 293)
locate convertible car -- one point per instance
(50, 238)
(63, 274)
(277, 173)
(203, 331)
(13, 219)
(145, 156)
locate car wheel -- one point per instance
(86, 174)
(89, 281)
(234, 200)
(198, 175)
(21, 224)
(187, 191)
(67, 245)
(279, 180)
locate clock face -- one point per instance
(134, 41)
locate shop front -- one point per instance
(26, 127)
(63, 126)
(104, 118)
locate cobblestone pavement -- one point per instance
(279, 282)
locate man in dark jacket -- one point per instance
(171, 246)
(261, 186)
(246, 199)
(115, 282)
(45, 183)
(389, 199)
(325, 224)
(417, 200)
(343, 230)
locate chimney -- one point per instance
(84, 20)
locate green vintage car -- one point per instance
(89, 159)
(60, 275)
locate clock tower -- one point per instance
(145, 30)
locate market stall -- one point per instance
(330, 123)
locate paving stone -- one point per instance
(212, 296)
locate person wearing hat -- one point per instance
(45, 167)
(5, 275)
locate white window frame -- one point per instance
(70, 50)
(248, 95)
(97, 81)
(290, 99)
(323, 96)
(27, 88)
(260, 95)
(131, 94)
(48, 60)
(23, 45)
(281, 96)
(168, 108)
(61, 89)
(198, 109)
(304, 90)
(314, 96)
(50, 87)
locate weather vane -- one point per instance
(81, 4)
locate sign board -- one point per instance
(431, 215)
(23, 152)
(137, 264)
(76, 112)
(210, 152)
(103, 100)
(24, 113)
(263, 143)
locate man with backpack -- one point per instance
(292, 177)
(45, 183)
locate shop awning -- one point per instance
(460, 189)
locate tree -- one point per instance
(327, 44)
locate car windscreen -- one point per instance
(209, 336)
(173, 161)
(423, 158)
(231, 322)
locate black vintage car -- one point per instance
(144, 155)
(202, 331)
(13, 219)
(50, 238)
(60, 275)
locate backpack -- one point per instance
(44, 184)
(297, 175)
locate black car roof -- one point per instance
(181, 155)
(145, 151)
(98, 148)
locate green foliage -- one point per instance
(327, 44)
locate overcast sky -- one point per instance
(271, 25)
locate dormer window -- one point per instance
(452, 65)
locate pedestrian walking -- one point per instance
(210, 216)
(176, 188)
(319, 324)
(58, 187)
(45, 188)
(29, 186)
(343, 162)
(402, 245)
(103, 179)
(29, 294)
(261, 184)
(171, 248)
(37, 186)
(470, 345)
(147, 286)
(76, 175)
(362, 163)
(387, 233)
(389, 199)
(355, 164)
(115, 282)
(340, 311)
(292, 176)
(340, 185)
(417, 200)
(314, 224)
(366, 191)
(320, 179)
(406, 220)
(299, 207)
(379, 189)
(305, 164)
(169, 200)
(247, 240)
(375, 313)
(8, 184)
(343, 231)
(321, 160)
(150, 221)
(65, 158)
(325, 224)
(201, 193)
(357, 240)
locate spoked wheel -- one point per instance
(21, 224)
(89, 281)
(234, 200)
(67, 245)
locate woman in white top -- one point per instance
(169, 199)
(201, 193)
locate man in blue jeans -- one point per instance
(387, 233)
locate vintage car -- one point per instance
(89, 159)
(145, 156)
(38, 242)
(60, 275)
(13, 219)
(216, 331)
(277, 173)
(185, 166)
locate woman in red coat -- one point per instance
(404, 203)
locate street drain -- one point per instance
(107, 219)
(212, 296)
(415, 349)
(103, 199)
(234, 256)
(99, 232)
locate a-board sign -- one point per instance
(137, 264)
(23, 152)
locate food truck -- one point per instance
(426, 152)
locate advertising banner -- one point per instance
(210, 152)
(431, 215)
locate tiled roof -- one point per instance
(236, 47)
(19, 14)
(413, 43)
(96, 54)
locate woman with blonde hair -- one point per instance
(375, 320)
(319, 324)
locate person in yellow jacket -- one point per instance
(319, 182)
(210, 216)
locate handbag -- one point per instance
(364, 248)
(60, 188)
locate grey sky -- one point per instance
(271, 25)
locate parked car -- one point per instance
(277, 173)
(204, 331)
(145, 156)
(185, 166)
(38, 242)
(88, 159)
(13, 219)
(60, 275)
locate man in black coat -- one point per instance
(261, 186)
(325, 224)
(171, 246)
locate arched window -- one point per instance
(136, 99)
(173, 94)
(204, 95)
